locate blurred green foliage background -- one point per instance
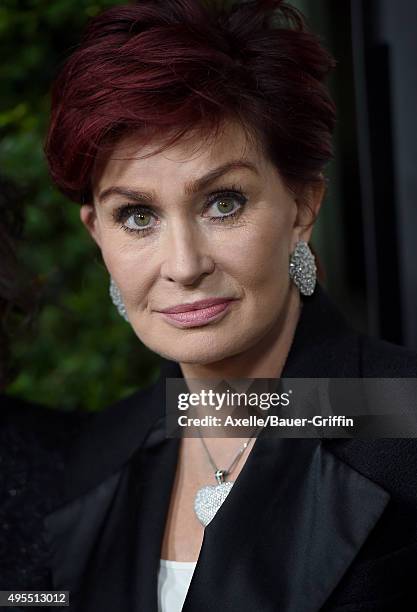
(78, 352)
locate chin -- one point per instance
(196, 351)
(194, 356)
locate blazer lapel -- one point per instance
(291, 525)
(108, 542)
(105, 540)
(283, 538)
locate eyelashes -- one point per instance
(124, 215)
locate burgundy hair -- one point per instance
(167, 66)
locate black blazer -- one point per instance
(309, 525)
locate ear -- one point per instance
(88, 216)
(309, 201)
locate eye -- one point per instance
(224, 206)
(139, 221)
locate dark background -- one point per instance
(79, 352)
(369, 227)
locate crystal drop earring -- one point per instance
(302, 268)
(116, 298)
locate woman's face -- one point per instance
(192, 224)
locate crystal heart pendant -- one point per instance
(209, 499)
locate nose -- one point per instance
(186, 255)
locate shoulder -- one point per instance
(391, 462)
(119, 424)
(110, 438)
(384, 359)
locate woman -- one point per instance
(195, 137)
(32, 438)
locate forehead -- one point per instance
(197, 152)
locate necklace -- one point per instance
(210, 497)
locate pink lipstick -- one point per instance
(197, 313)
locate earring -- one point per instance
(116, 298)
(302, 269)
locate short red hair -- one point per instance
(162, 66)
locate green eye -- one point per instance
(141, 219)
(225, 206)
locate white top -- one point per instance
(174, 578)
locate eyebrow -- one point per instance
(191, 187)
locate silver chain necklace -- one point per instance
(210, 497)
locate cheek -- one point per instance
(127, 265)
(259, 253)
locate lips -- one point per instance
(200, 305)
(198, 317)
